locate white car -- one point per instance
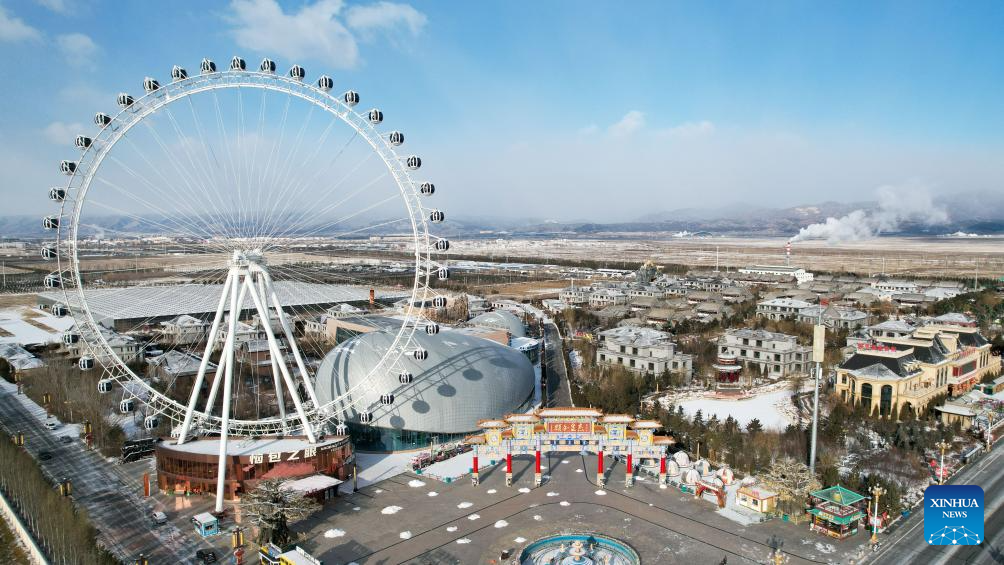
(51, 424)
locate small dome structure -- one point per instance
(682, 459)
(691, 476)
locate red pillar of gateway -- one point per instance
(630, 464)
(508, 463)
(629, 470)
(536, 468)
(599, 468)
(662, 465)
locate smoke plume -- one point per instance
(896, 206)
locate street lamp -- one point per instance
(877, 491)
(942, 445)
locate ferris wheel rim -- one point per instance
(166, 95)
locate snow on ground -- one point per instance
(15, 322)
(463, 505)
(453, 468)
(562, 503)
(451, 528)
(415, 483)
(772, 407)
(463, 541)
(391, 510)
(524, 490)
(473, 517)
(375, 467)
(336, 533)
(520, 540)
(501, 524)
(405, 535)
(601, 493)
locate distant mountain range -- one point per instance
(980, 214)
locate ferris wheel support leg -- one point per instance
(276, 377)
(232, 329)
(289, 339)
(221, 472)
(210, 340)
(277, 354)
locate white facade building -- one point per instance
(800, 274)
(777, 355)
(642, 350)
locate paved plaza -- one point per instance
(414, 519)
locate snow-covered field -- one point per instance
(31, 326)
(773, 407)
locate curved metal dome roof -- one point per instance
(464, 379)
(500, 319)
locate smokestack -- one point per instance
(372, 297)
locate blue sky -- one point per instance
(565, 109)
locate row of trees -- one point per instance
(62, 531)
(74, 397)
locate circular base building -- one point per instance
(464, 379)
(192, 466)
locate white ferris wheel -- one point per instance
(256, 199)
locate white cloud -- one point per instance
(589, 130)
(58, 6)
(630, 123)
(318, 31)
(78, 49)
(691, 129)
(62, 133)
(14, 29)
(385, 16)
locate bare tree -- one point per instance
(793, 482)
(270, 507)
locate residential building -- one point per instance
(607, 297)
(575, 295)
(174, 364)
(780, 308)
(800, 274)
(642, 350)
(834, 317)
(777, 355)
(183, 330)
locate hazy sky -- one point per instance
(563, 109)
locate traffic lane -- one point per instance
(907, 543)
(124, 526)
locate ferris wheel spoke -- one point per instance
(264, 178)
(285, 199)
(295, 222)
(229, 168)
(212, 164)
(196, 231)
(274, 225)
(155, 188)
(201, 172)
(144, 219)
(191, 193)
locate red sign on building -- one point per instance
(569, 427)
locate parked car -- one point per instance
(44, 456)
(205, 556)
(159, 518)
(51, 424)
(65, 439)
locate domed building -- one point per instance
(500, 320)
(463, 380)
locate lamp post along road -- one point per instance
(942, 445)
(877, 491)
(818, 349)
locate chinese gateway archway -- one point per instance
(570, 429)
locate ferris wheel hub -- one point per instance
(248, 257)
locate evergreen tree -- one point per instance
(754, 426)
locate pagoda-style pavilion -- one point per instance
(570, 429)
(836, 511)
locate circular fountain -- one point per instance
(578, 549)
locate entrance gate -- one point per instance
(570, 429)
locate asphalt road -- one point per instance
(558, 393)
(116, 511)
(906, 544)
